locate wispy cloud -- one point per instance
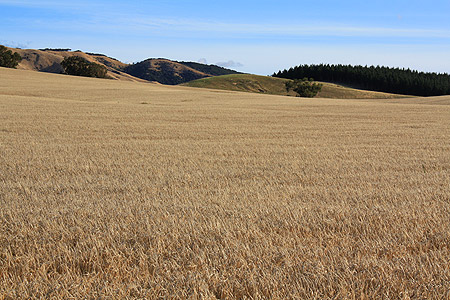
(174, 26)
(43, 4)
(288, 30)
(101, 18)
(81, 7)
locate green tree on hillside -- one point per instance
(304, 87)
(78, 66)
(9, 59)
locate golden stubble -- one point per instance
(116, 190)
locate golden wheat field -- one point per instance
(121, 190)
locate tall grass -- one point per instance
(203, 194)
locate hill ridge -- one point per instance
(161, 70)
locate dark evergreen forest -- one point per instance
(381, 79)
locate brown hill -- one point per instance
(164, 71)
(50, 61)
(157, 70)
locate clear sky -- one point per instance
(252, 36)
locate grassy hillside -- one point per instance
(122, 190)
(242, 83)
(331, 90)
(276, 86)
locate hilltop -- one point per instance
(276, 86)
(161, 70)
(166, 71)
(209, 69)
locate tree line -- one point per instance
(381, 79)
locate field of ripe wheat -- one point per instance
(120, 190)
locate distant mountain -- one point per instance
(164, 71)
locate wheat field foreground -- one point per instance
(119, 190)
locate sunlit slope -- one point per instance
(160, 70)
(331, 90)
(243, 83)
(50, 61)
(123, 190)
(276, 86)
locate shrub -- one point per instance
(304, 87)
(9, 59)
(79, 66)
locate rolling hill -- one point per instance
(163, 71)
(276, 86)
(50, 61)
(171, 72)
(242, 83)
(209, 69)
(191, 74)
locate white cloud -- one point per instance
(230, 64)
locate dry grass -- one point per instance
(276, 86)
(331, 90)
(209, 194)
(243, 83)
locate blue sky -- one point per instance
(252, 36)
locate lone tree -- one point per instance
(78, 66)
(9, 59)
(304, 87)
